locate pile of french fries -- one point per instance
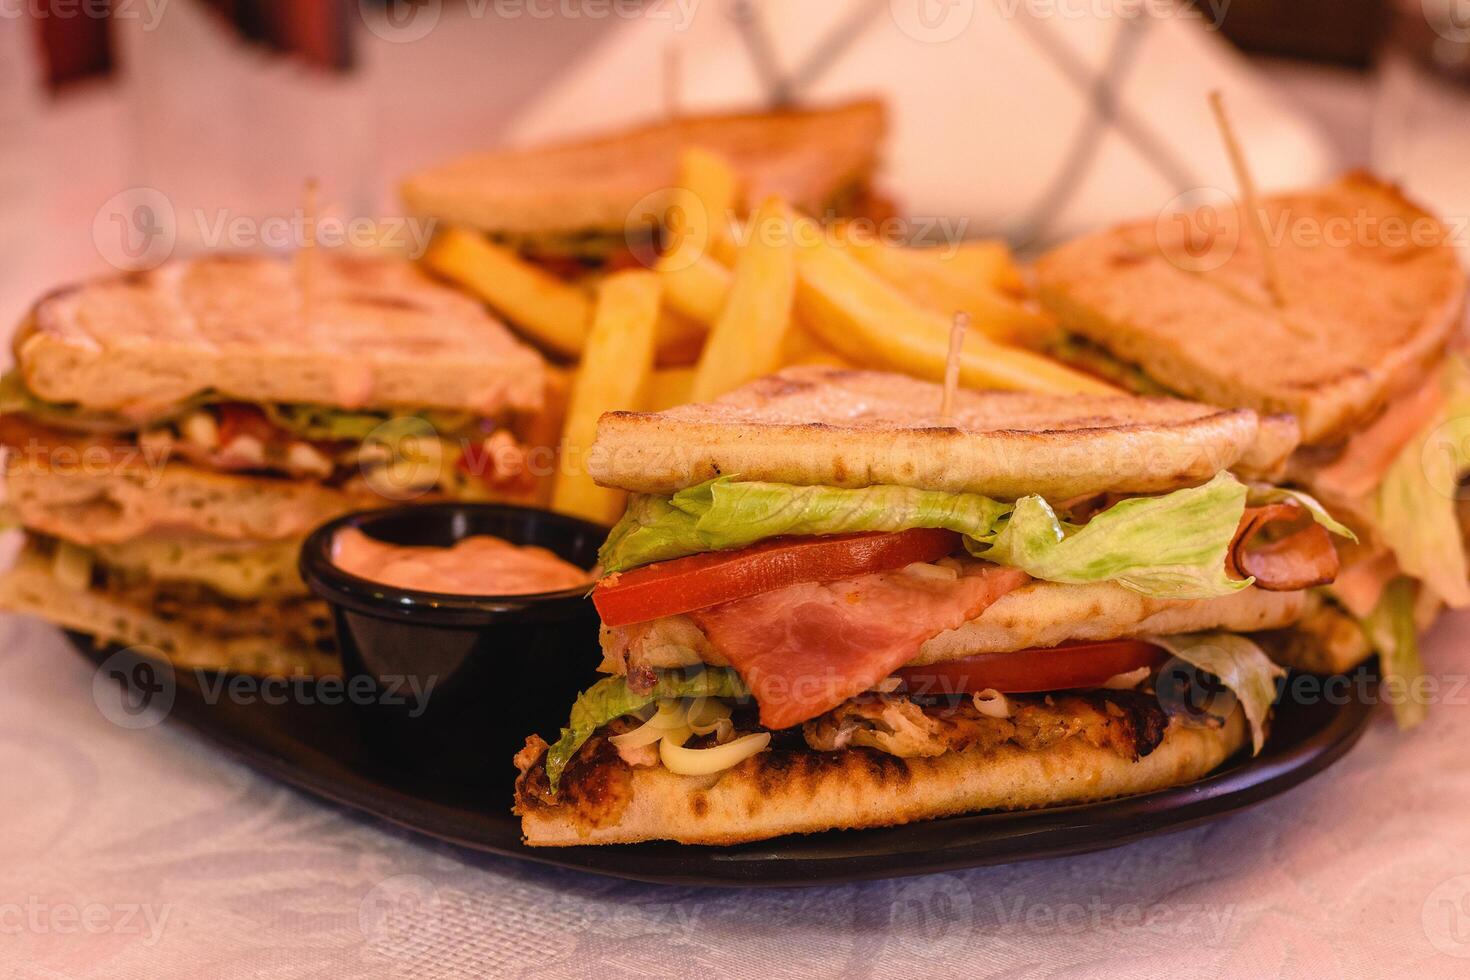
(729, 300)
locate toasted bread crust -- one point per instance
(1372, 299)
(807, 157)
(374, 332)
(121, 502)
(29, 587)
(781, 792)
(845, 428)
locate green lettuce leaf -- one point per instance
(726, 513)
(18, 399)
(1392, 631)
(1239, 664)
(321, 422)
(1173, 546)
(611, 698)
(1415, 504)
(1261, 495)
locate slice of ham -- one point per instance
(807, 648)
(1360, 584)
(1297, 554)
(1364, 461)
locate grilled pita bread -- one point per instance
(1373, 292)
(810, 158)
(324, 329)
(118, 503)
(780, 792)
(247, 638)
(844, 428)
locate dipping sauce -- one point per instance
(480, 564)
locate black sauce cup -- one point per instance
(432, 667)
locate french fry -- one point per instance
(668, 387)
(988, 261)
(870, 322)
(679, 339)
(697, 290)
(616, 364)
(540, 432)
(724, 248)
(745, 342)
(695, 284)
(801, 348)
(706, 194)
(928, 277)
(552, 312)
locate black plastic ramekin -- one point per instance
(440, 666)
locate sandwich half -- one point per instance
(568, 206)
(827, 607)
(1358, 348)
(171, 435)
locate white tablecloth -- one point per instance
(144, 853)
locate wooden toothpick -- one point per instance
(952, 366)
(673, 80)
(306, 258)
(1250, 201)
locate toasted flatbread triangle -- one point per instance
(832, 427)
(808, 157)
(1373, 288)
(279, 647)
(370, 332)
(800, 792)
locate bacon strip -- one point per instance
(1298, 553)
(807, 648)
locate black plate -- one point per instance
(462, 794)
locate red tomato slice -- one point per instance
(1077, 665)
(238, 419)
(682, 585)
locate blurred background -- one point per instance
(1030, 119)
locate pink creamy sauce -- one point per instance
(477, 565)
